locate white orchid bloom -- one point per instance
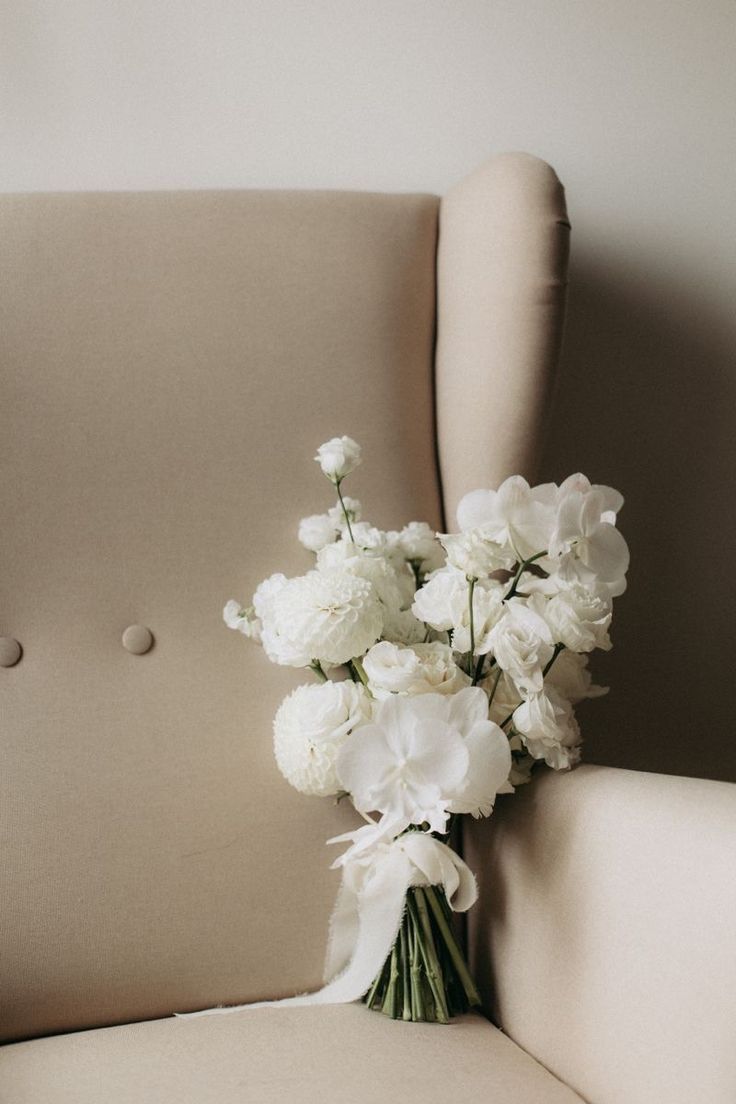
(585, 544)
(516, 515)
(406, 764)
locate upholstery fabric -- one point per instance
(170, 363)
(502, 282)
(604, 937)
(306, 1055)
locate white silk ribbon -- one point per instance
(368, 912)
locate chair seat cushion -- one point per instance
(319, 1055)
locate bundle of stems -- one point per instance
(425, 978)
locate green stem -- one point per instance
(360, 671)
(316, 666)
(429, 952)
(471, 618)
(344, 511)
(492, 694)
(451, 943)
(477, 674)
(521, 569)
(558, 649)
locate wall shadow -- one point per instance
(646, 402)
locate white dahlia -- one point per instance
(309, 729)
(328, 616)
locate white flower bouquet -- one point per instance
(446, 667)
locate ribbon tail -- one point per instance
(379, 909)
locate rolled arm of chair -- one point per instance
(605, 936)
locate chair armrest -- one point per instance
(605, 936)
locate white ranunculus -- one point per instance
(311, 726)
(515, 515)
(579, 618)
(476, 554)
(326, 616)
(317, 531)
(336, 513)
(570, 676)
(549, 731)
(338, 457)
(418, 669)
(488, 607)
(489, 757)
(242, 620)
(439, 601)
(265, 595)
(406, 763)
(522, 643)
(585, 544)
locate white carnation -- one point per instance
(418, 669)
(311, 726)
(417, 543)
(316, 531)
(476, 554)
(402, 627)
(336, 513)
(242, 620)
(338, 457)
(570, 676)
(326, 616)
(579, 618)
(503, 695)
(548, 729)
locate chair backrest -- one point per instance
(170, 361)
(605, 935)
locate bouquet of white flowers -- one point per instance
(446, 667)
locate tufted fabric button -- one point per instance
(137, 639)
(10, 651)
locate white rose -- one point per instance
(516, 515)
(548, 729)
(242, 620)
(475, 554)
(438, 602)
(570, 676)
(317, 531)
(311, 726)
(488, 607)
(522, 643)
(579, 619)
(338, 457)
(326, 616)
(418, 669)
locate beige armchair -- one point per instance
(169, 360)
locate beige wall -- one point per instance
(631, 100)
